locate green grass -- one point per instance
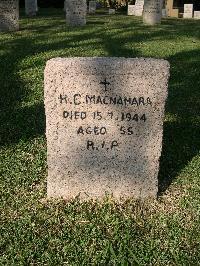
(35, 231)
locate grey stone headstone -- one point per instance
(76, 11)
(196, 14)
(31, 7)
(111, 11)
(139, 6)
(92, 7)
(164, 13)
(36, 4)
(104, 126)
(131, 10)
(152, 12)
(188, 11)
(9, 15)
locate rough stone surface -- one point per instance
(104, 126)
(139, 5)
(152, 12)
(188, 11)
(131, 10)
(92, 7)
(76, 11)
(196, 14)
(31, 7)
(9, 15)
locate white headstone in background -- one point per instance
(92, 7)
(188, 11)
(76, 11)
(196, 14)
(131, 10)
(31, 7)
(139, 6)
(9, 15)
(152, 12)
(104, 126)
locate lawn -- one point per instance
(35, 231)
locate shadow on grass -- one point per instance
(23, 119)
(19, 119)
(181, 140)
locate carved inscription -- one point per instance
(69, 102)
(76, 12)
(152, 12)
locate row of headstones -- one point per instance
(152, 11)
(9, 13)
(190, 13)
(76, 11)
(93, 6)
(137, 10)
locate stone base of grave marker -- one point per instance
(76, 11)
(152, 12)
(9, 15)
(196, 14)
(104, 126)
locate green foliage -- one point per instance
(35, 231)
(116, 4)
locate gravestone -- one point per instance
(164, 13)
(196, 14)
(111, 11)
(92, 7)
(188, 11)
(9, 15)
(131, 10)
(139, 6)
(104, 126)
(36, 4)
(76, 12)
(31, 7)
(174, 13)
(152, 12)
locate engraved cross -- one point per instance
(105, 83)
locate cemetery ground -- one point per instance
(35, 231)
